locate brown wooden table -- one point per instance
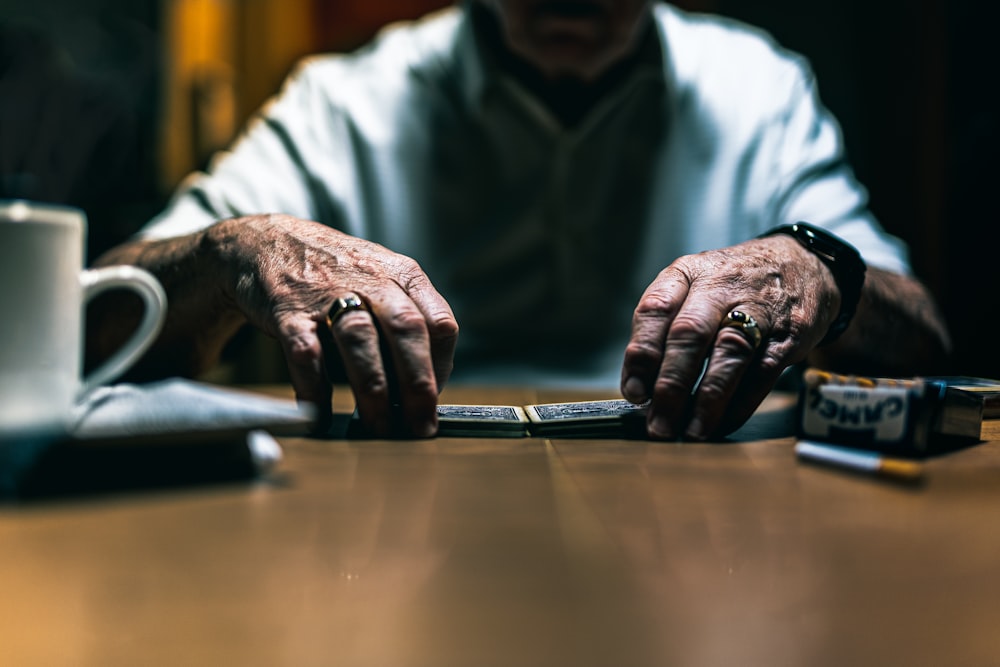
(510, 552)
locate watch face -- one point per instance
(825, 244)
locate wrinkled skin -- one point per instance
(675, 329)
(281, 275)
(287, 291)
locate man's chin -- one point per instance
(578, 39)
(568, 31)
(570, 61)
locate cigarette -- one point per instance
(859, 459)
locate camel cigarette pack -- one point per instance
(902, 415)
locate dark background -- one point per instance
(912, 84)
(79, 106)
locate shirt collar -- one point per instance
(480, 71)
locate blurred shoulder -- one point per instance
(718, 57)
(401, 55)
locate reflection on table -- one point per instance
(518, 552)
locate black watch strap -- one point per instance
(845, 263)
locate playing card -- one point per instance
(605, 418)
(615, 418)
(482, 420)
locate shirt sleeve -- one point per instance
(815, 184)
(271, 168)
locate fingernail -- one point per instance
(634, 390)
(659, 428)
(695, 430)
(425, 430)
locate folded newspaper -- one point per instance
(171, 432)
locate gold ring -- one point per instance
(745, 323)
(342, 305)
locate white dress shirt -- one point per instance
(541, 237)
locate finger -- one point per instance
(444, 339)
(406, 348)
(304, 356)
(687, 345)
(758, 381)
(332, 363)
(440, 322)
(387, 357)
(650, 323)
(734, 350)
(357, 341)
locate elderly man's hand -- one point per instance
(787, 290)
(284, 274)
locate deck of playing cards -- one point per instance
(482, 421)
(614, 418)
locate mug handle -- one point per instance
(96, 281)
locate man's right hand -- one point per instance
(282, 275)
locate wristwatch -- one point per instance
(844, 262)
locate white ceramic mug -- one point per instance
(44, 289)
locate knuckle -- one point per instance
(411, 275)
(444, 327)
(735, 343)
(642, 353)
(712, 389)
(375, 386)
(668, 385)
(423, 385)
(686, 329)
(301, 352)
(771, 364)
(656, 306)
(354, 329)
(406, 323)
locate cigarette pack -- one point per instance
(986, 389)
(914, 416)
